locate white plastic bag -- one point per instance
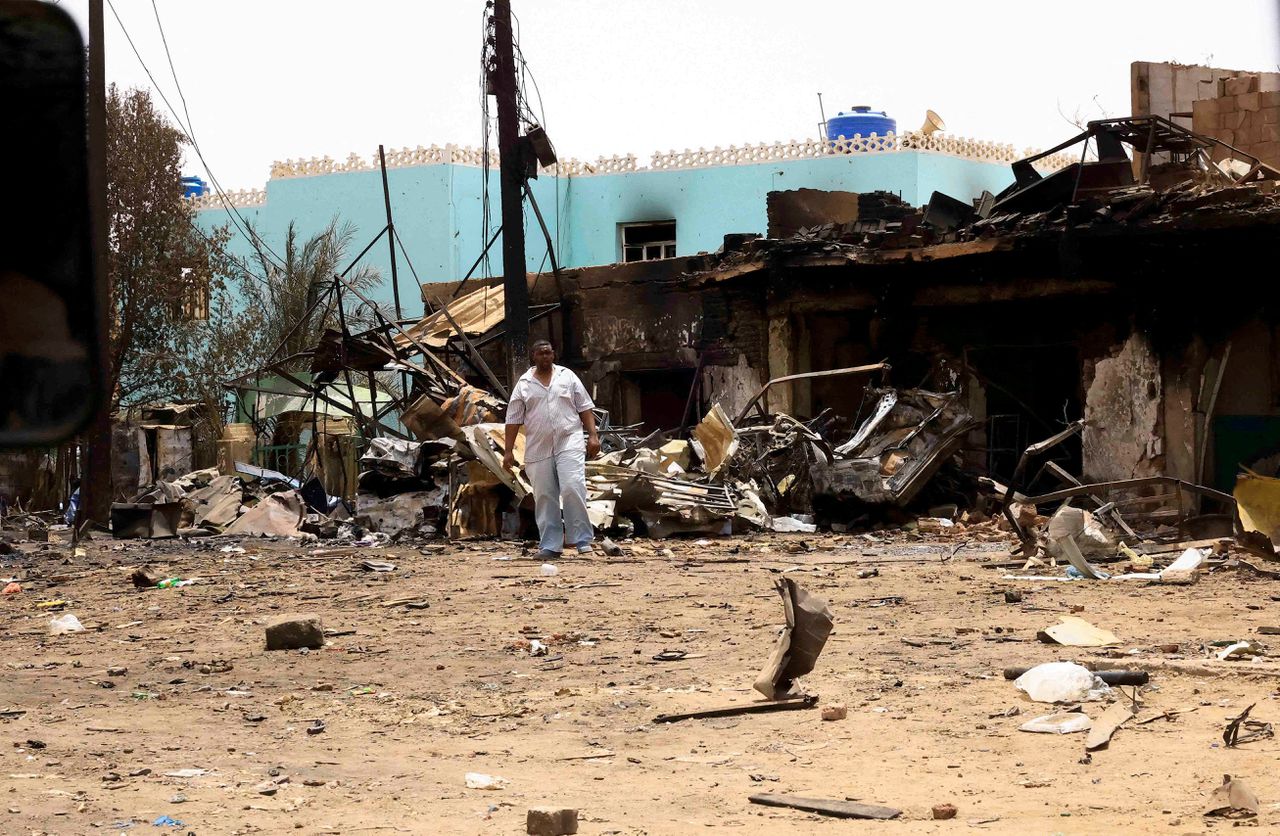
(480, 781)
(1060, 723)
(1061, 682)
(65, 624)
(549, 570)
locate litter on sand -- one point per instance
(1061, 682)
(1233, 799)
(1063, 722)
(1076, 632)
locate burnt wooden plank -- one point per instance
(840, 809)
(785, 704)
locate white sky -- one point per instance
(274, 79)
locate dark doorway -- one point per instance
(839, 341)
(1032, 392)
(656, 398)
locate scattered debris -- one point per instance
(838, 809)
(551, 821)
(1061, 682)
(1063, 722)
(808, 623)
(295, 632)
(1233, 799)
(1116, 715)
(1076, 632)
(480, 781)
(835, 711)
(1255, 729)
(780, 704)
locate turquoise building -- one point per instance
(681, 203)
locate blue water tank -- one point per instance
(194, 187)
(860, 121)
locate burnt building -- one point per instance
(1135, 296)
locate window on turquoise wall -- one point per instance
(648, 241)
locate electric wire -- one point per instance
(255, 239)
(234, 214)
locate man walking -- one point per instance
(553, 406)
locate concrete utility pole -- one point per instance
(95, 482)
(514, 281)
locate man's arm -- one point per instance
(514, 421)
(593, 441)
(583, 405)
(509, 445)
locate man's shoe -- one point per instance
(585, 548)
(547, 554)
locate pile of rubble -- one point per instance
(752, 472)
(253, 502)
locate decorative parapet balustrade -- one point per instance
(810, 149)
(240, 199)
(972, 149)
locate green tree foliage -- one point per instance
(186, 315)
(291, 318)
(167, 277)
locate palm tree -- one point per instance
(306, 275)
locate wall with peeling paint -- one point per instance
(731, 386)
(1123, 436)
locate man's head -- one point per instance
(543, 354)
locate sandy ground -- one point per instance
(413, 699)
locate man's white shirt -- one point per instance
(550, 414)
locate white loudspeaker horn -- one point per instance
(932, 123)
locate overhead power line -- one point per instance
(233, 213)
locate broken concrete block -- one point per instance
(1204, 107)
(1092, 535)
(1240, 85)
(835, 711)
(1186, 569)
(1026, 515)
(292, 632)
(551, 821)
